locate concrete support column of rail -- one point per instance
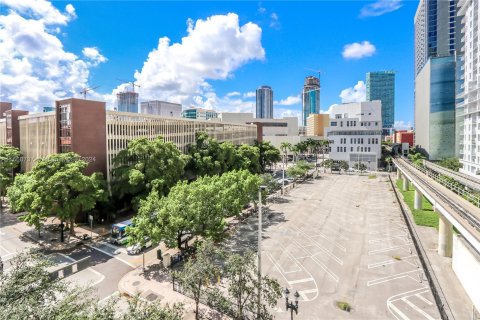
(405, 183)
(445, 237)
(399, 174)
(417, 203)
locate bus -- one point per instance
(119, 232)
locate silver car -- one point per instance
(137, 248)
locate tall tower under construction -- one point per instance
(127, 101)
(310, 98)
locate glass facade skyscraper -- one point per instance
(310, 98)
(264, 107)
(381, 86)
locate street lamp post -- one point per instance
(293, 306)
(259, 254)
(283, 174)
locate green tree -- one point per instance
(197, 273)
(195, 209)
(243, 286)
(451, 163)
(270, 182)
(389, 162)
(143, 310)
(360, 166)
(301, 147)
(206, 156)
(417, 158)
(327, 163)
(146, 165)
(344, 165)
(9, 161)
(57, 186)
(248, 158)
(269, 155)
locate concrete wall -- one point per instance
(466, 265)
(3, 132)
(422, 108)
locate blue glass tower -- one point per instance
(381, 86)
(311, 98)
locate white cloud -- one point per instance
(250, 94)
(380, 7)
(233, 94)
(402, 125)
(94, 55)
(274, 21)
(355, 94)
(35, 69)
(289, 101)
(41, 10)
(329, 111)
(212, 50)
(358, 50)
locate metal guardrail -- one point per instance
(471, 219)
(439, 296)
(465, 179)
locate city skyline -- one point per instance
(96, 52)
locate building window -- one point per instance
(65, 128)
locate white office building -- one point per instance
(161, 108)
(468, 99)
(355, 133)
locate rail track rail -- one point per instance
(465, 179)
(471, 218)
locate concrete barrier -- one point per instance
(71, 268)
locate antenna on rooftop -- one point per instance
(317, 71)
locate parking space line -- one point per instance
(391, 261)
(391, 307)
(390, 278)
(389, 249)
(300, 281)
(334, 257)
(419, 296)
(414, 307)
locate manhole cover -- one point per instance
(136, 283)
(151, 297)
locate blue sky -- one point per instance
(220, 61)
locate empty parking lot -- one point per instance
(342, 238)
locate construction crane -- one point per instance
(85, 90)
(130, 82)
(317, 71)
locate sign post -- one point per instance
(90, 218)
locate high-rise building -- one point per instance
(437, 42)
(316, 124)
(310, 98)
(127, 101)
(468, 93)
(161, 108)
(381, 86)
(435, 108)
(355, 133)
(437, 30)
(264, 107)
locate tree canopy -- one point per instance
(269, 155)
(145, 166)
(196, 208)
(56, 186)
(451, 163)
(9, 160)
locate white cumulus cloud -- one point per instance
(250, 94)
(402, 125)
(380, 7)
(289, 101)
(35, 69)
(358, 50)
(94, 55)
(355, 94)
(212, 50)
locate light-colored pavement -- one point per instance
(342, 238)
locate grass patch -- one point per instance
(342, 305)
(425, 217)
(372, 176)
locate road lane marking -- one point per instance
(300, 280)
(391, 307)
(390, 278)
(111, 255)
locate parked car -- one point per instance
(137, 248)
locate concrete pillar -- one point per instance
(417, 203)
(445, 237)
(405, 183)
(399, 174)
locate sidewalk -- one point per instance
(155, 285)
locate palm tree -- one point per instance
(295, 151)
(324, 144)
(285, 147)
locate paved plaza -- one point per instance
(342, 238)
